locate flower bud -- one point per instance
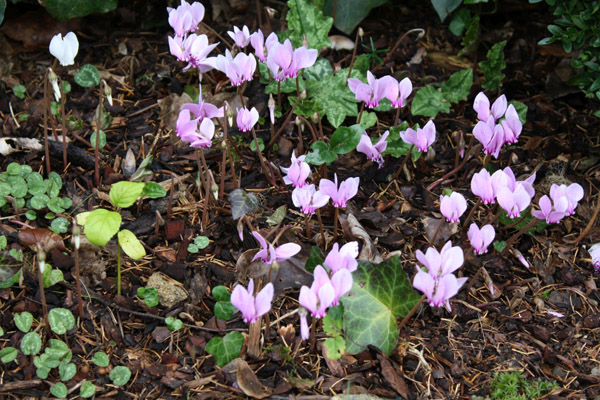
(107, 92)
(361, 33)
(76, 236)
(53, 79)
(303, 95)
(228, 114)
(270, 12)
(41, 255)
(271, 105)
(315, 118)
(304, 41)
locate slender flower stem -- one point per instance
(287, 120)
(206, 191)
(362, 108)
(324, 243)
(298, 85)
(455, 170)
(63, 126)
(399, 171)
(46, 113)
(321, 129)
(78, 282)
(353, 57)
(43, 296)
(228, 149)
(97, 144)
(313, 331)
(267, 171)
(534, 221)
(411, 312)
(118, 270)
(335, 222)
(279, 93)
(307, 223)
(397, 117)
(439, 228)
(254, 339)
(486, 160)
(473, 209)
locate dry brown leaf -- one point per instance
(392, 377)
(41, 238)
(249, 382)
(368, 252)
(169, 108)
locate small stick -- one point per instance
(254, 339)
(455, 170)
(353, 55)
(411, 312)
(439, 228)
(266, 171)
(397, 174)
(321, 227)
(46, 112)
(534, 221)
(64, 126)
(313, 329)
(41, 264)
(76, 241)
(207, 191)
(287, 120)
(97, 144)
(473, 209)
(362, 108)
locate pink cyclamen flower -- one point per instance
(511, 125)
(481, 238)
(396, 92)
(339, 196)
(452, 207)
(490, 135)
(252, 308)
(239, 69)
(481, 186)
(324, 291)
(186, 17)
(246, 119)
(297, 173)
(595, 254)
(513, 201)
(304, 331)
(309, 199)
(284, 61)
(438, 292)
(572, 193)
(241, 37)
(197, 132)
(203, 109)
(194, 50)
(481, 105)
(342, 258)
(257, 40)
(552, 213)
(269, 253)
(373, 152)
(422, 138)
(506, 177)
(372, 91)
(441, 263)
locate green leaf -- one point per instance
(429, 102)
(242, 203)
(39, 202)
(333, 322)
(493, 66)
(319, 70)
(320, 154)
(3, 243)
(444, 7)
(55, 205)
(101, 359)
(223, 308)
(457, 88)
(173, 324)
(349, 13)
(336, 347)
(18, 186)
(333, 97)
(61, 320)
(225, 349)
(131, 244)
(153, 190)
(67, 371)
(60, 225)
(57, 352)
(30, 215)
(59, 390)
(8, 354)
(277, 216)
(9, 271)
(18, 90)
(193, 91)
(379, 295)
(149, 295)
(345, 139)
(23, 321)
(315, 258)
(521, 110)
(368, 119)
(2, 10)
(460, 22)
(471, 37)
(31, 344)
(88, 389)
(261, 144)
(51, 276)
(101, 225)
(123, 194)
(87, 76)
(305, 19)
(102, 139)
(120, 375)
(68, 9)
(13, 168)
(53, 184)
(201, 242)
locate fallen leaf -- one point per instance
(431, 225)
(41, 238)
(368, 252)
(249, 382)
(391, 376)
(169, 108)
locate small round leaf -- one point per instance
(61, 320)
(31, 344)
(100, 359)
(120, 375)
(8, 354)
(88, 389)
(23, 321)
(87, 76)
(59, 390)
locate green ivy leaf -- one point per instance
(242, 203)
(120, 375)
(88, 389)
(131, 244)
(31, 344)
(57, 352)
(305, 19)
(8, 354)
(67, 371)
(23, 321)
(349, 13)
(321, 154)
(333, 97)
(429, 102)
(101, 225)
(315, 258)
(460, 22)
(457, 88)
(69, 9)
(59, 390)
(87, 76)
(368, 119)
(123, 194)
(379, 295)
(153, 190)
(223, 308)
(345, 139)
(102, 142)
(493, 66)
(101, 359)
(60, 320)
(225, 349)
(445, 7)
(51, 276)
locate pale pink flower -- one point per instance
(298, 172)
(324, 291)
(269, 253)
(441, 263)
(422, 138)
(342, 258)
(552, 213)
(572, 193)
(452, 207)
(371, 92)
(481, 105)
(481, 186)
(241, 37)
(511, 124)
(285, 61)
(246, 119)
(186, 17)
(438, 291)
(513, 201)
(239, 69)
(594, 251)
(397, 93)
(309, 199)
(304, 331)
(252, 308)
(197, 132)
(373, 152)
(339, 196)
(490, 135)
(203, 109)
(481, 238)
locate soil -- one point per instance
(542, 319)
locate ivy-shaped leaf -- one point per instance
(120, 375)
(31, 343)
(349, 13)
(61, 320)
(225, 349)
(345, 139)
(23, 321)
(458, 86)
(493, 66)
(242, 203)
(87, 76)
(305, 19)
(379, 295)
(429, 102)
(65, 10)
(223, 308)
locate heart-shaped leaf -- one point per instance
(380, 293)
(345, 139)
(242, 203)
(101, 225)
(87, 76)
(120, 375)
(123, 194)
(23, 321)
(223, 308)
(131, 244)
(225, 349)
(31, 344)
(321, 154)
(61, 320)
(429, 102)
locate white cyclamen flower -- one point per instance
(64, 49)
